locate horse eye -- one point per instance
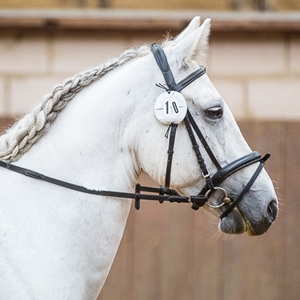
(214, 113)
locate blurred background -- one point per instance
(277, 5)
(169, 251)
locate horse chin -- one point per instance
(235, 223)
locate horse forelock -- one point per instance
(30, 128)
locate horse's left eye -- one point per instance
(214, 112)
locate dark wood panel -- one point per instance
(208, 282)
(257, 262)
(119, 284)
(178, 253)
(150, 231)
(292, 209)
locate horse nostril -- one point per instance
(272, 210)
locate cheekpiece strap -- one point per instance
(173, 128)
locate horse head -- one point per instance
(230, 171)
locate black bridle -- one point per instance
(212, 183)
(165, 193)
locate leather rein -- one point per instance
(165, 193)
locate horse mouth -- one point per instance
(240, 220)
(236, 223)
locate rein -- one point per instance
(164, 193)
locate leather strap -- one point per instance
(200, 159)
(237, 165)
(173, 128)
(203, 141)
(233, 167)
(164, 194)
(189, 79)
(244, 191)
(163, 64)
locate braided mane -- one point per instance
(29, 129)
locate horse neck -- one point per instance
(87, 143)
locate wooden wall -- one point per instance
(171, 252)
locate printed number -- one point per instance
(175, 107)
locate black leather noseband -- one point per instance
(165, 193)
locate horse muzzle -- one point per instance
(256, 223)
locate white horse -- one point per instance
(59, 243)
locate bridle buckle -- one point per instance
(205, 176)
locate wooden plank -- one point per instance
(253, 268)
(292, 209)
(178, 253)
(150, 231)
(208, 257)
(272, 137)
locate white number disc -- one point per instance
(170, 107)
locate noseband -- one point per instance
(165, 193)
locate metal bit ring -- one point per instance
(226, 200)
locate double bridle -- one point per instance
(165, 193)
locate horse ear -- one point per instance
(195, 45)
(194, 24)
